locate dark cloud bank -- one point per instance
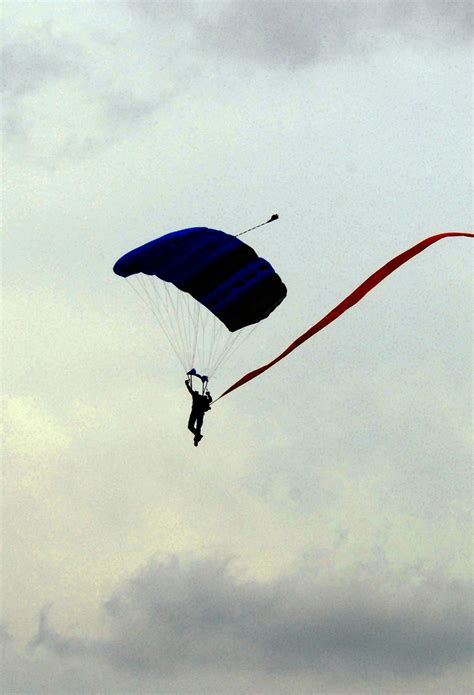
(175, 618)
(297, 34)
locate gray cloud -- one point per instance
(26, 67)
(178, 11)
(295, 35)
(174, 617)
(453, 17)
(122, 107)
(298, 34)
(5, 636)
(281, 33)
(82, 78)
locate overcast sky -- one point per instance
(319, 538)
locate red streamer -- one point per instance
(348, 302)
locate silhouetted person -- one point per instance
(201, 404)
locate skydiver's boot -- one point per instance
(197, 439)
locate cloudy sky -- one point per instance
(319, 539)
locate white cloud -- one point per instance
(31, 432)
(71, 88)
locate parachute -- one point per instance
(206, 288)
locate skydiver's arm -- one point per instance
(188, 386)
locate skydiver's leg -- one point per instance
(198, 435)
(192, 422)
(199, 421)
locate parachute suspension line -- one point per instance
(224, 350)
(179, 319)
(219, 337)
(221, 340)
(146, 299)
(245, 335)
(201, 332)
(176, 319)
(197, 308)
(225, 346)
(190, 330)
(193, 313)
(196, 314)
(157, 304)
(230, 348)
(162, 311)
(180, 310)
(172, 316)
(205, 340)
(183, 303)
(165, 318)
(198, 319)
(212, 344)
(240, 338)
(188, 315)
(272, 219)
(170, 302)
(167, 321)
(186, 318)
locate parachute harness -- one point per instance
(204, 379)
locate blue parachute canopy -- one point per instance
(217, 269)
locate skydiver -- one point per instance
(201, 404)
